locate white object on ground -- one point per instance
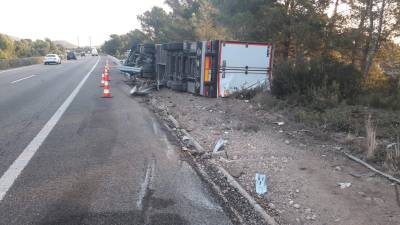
(220, 144)
(261, 184)
(344, 185)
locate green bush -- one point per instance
(387, 97)
(321, 83)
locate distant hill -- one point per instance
(65, 44)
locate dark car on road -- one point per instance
(71, 55)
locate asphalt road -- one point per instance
(68, 156)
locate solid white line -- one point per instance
(9, 177)
(16, 81)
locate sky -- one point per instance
(70, 19)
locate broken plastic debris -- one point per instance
(280, 123)
(261, 183)
(344, 185)
(186, 139)
(390, 145)
(133, 90)
(220, 143)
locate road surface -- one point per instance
(68, 156)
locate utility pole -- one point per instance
(90, 41)
(78, 41)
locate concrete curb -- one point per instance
(196, 145)
(217, 189)
(269, 219)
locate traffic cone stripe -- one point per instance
(102, 80)
(105, 82)
(106, 91)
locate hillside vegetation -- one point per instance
(22, 48)
(16, 52)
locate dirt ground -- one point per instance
(303, 171)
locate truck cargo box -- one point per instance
(243, 66)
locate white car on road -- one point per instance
(52, 58)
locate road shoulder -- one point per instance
(303, 172)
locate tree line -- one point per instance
(343, 48)
(13, 49)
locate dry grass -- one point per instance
(393, 158)
(371, 139)
(13, 63)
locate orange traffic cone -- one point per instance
(106, 76)
(106, 91)
(102, 80)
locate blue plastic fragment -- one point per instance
(261, 184)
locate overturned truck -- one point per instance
(208, 68)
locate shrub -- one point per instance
(323, 82)
(392, 161)
(388, 97)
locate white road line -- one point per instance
(12, 173)
(146, 184)
(16, 81)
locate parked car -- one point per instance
(71, 55)
(52, 58)
(83, 54)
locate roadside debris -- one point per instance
(390, 177)
(133, 90)
(261, 184)
(192, 142)
(142, 90)
(391, 145)
(296, 206)
(219, 145)
(279, 123)
(174, 122)
(344, 185)
(359, 175)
